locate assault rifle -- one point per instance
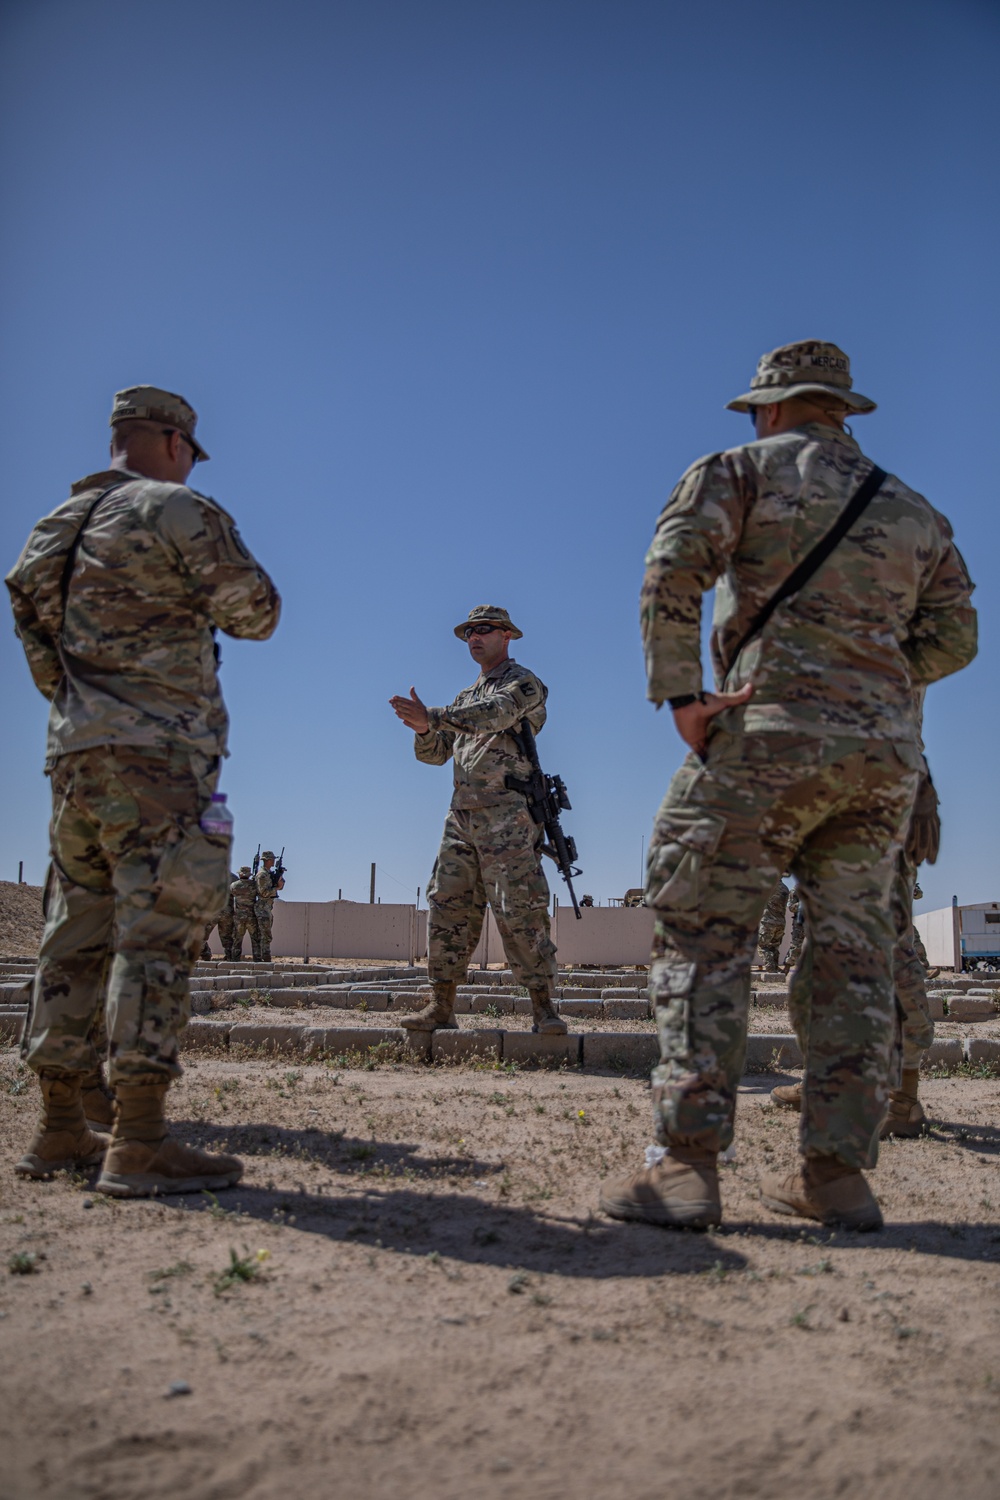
(279, 870)
(256, 863)
(546, 798)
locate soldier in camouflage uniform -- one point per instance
(267, 894)
(490, 849)
(227, 920)
(243, 892)
(117, 597)
(806, 759)
(798, 929)
(772, 927)
(224, 921)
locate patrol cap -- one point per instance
(808, 368)
(148, 403)
(485, 614)
(268, 854)
(244, 871)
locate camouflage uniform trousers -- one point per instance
(224, 922)
(264, 914)
(490, 855)
(914, 1028)
(225, 925)
(131, 880)
(244, 921)
(834, 811)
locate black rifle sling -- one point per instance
(800, 575)
(70, 563)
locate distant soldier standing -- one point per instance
(798, 929)
(227, 920)
(772, 927)
(224, 921)
(489, 852)
(244, 896)
(839, 591)
(268, 887)
(117, 597)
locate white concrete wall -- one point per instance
(343, 929)
(937, 929)
(603, 935)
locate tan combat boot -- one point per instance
(788, 1096)
(98, 1101)
(439, 1013)
(826, 1189)
(62, 1142)
(144, 1161)
(545, 1019)
(906, 1113)
(680, 1192)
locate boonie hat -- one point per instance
(485, 614)
(244, 871)
(268, 854)
(808, 368)
(148, 403)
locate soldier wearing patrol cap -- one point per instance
(263, 907)
(117, 597)
(806, 758)
(489, 852)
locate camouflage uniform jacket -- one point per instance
(244, 894)
(889, 610)
(266, 888)
(475, 729)
(133, 660)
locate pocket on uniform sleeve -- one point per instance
(684, 841)
(193, 876)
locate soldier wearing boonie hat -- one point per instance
(117, 598)
(487, 614)
(811, 368)
(489, 851)
(807, 759)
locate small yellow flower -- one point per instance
(581, 1114)
(263, 1255)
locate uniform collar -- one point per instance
(103, 478)
(827, 434)
(501, 666)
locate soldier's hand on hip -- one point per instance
(412, 712)
(693, 719)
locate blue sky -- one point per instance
(459, 288)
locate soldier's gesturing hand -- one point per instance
(412, 712)
(693, 719)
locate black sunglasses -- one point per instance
(169, 431)
(480, 630)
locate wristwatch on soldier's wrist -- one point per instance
(685, 699)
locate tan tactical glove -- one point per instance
(923, 841)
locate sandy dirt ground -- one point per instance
(21, 919)
(427, 1304)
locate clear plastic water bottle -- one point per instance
(217, 820)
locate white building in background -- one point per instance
(955, 936)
